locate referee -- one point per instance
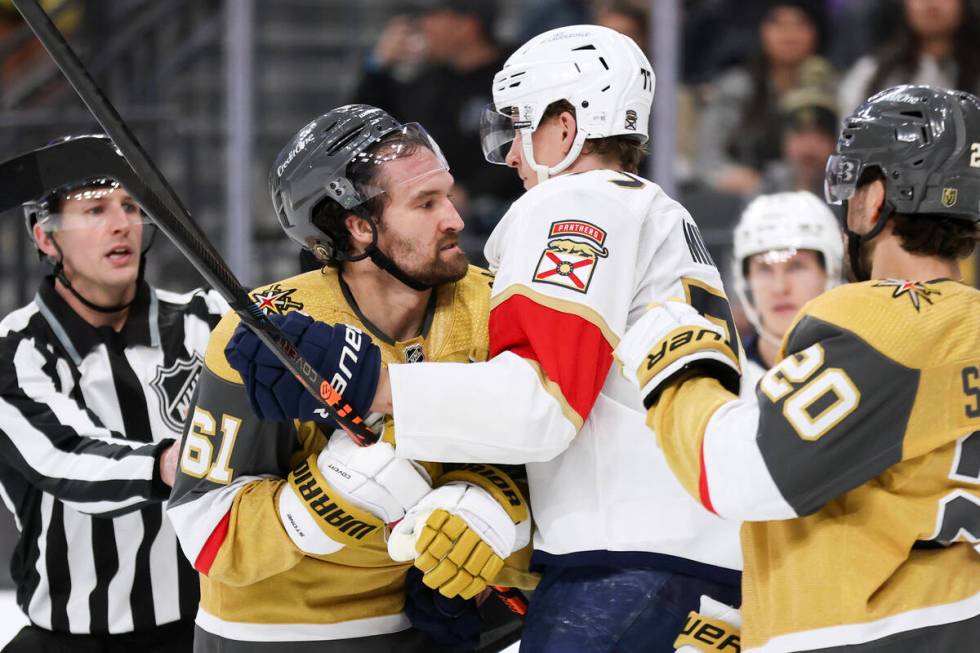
(96, 374)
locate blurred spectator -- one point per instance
(717, 34)
(739, 131)
(937, 43)
(447, 93)
(629, 17)
(632, 18)
(809, 120)
(537, 16)
(857, 28)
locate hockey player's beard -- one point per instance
(443, 267)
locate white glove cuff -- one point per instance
(475, 506)
(372, 478)
(302, 529)
(483, 514)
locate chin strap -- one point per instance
(377, 257)
(855, 240)
(59, 273)
(543, 172)
(381, 259)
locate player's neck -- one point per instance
(768, 350)
(890, 261)
(96, 318)
(391, 306)
(587, 162)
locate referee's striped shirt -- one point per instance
(84, 414)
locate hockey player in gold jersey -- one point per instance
(857, 468)
(287, 521)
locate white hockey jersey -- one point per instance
(577, 260)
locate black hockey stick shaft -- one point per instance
(172, 218)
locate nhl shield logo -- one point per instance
(414, 353)
(949, 196)
(571, 261)
(174, 386)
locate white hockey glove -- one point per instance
(460, 533)
(669, 339)
(715, 628)
(336, 498)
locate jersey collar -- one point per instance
(78, 337)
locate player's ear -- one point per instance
(874, 200)
(569, 127)
(43, 240)
(360, 230)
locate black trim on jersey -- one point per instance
(695, 244)
(56, 562)
(23, 566)
(956, 636)
(634, 559)
(83, 337)
(143, 613)
(106, 566)
(864, 443)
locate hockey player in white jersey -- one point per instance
(788, 249)
(624, 553)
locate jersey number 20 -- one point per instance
(815, 403)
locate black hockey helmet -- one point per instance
(46, 209)
(75, 182)
(316, 164)
(926, 142)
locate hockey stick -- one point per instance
(172, 218)
(166, 210)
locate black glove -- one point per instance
(275, 394)
(451, 622)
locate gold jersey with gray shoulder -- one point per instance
(870, 428)
(855, 472)
(255, 584)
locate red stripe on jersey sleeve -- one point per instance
(210, 549)
(703, 492)
(571, 351)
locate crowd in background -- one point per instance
(764, 84)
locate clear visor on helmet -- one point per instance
(411, 144)
(90, 206)
(840, 178)
(497, 131)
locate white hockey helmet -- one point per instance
(785, 222)
(601, 72)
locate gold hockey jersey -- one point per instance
(857, 472)
(255, 584)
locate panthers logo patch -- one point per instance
(573, 251)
